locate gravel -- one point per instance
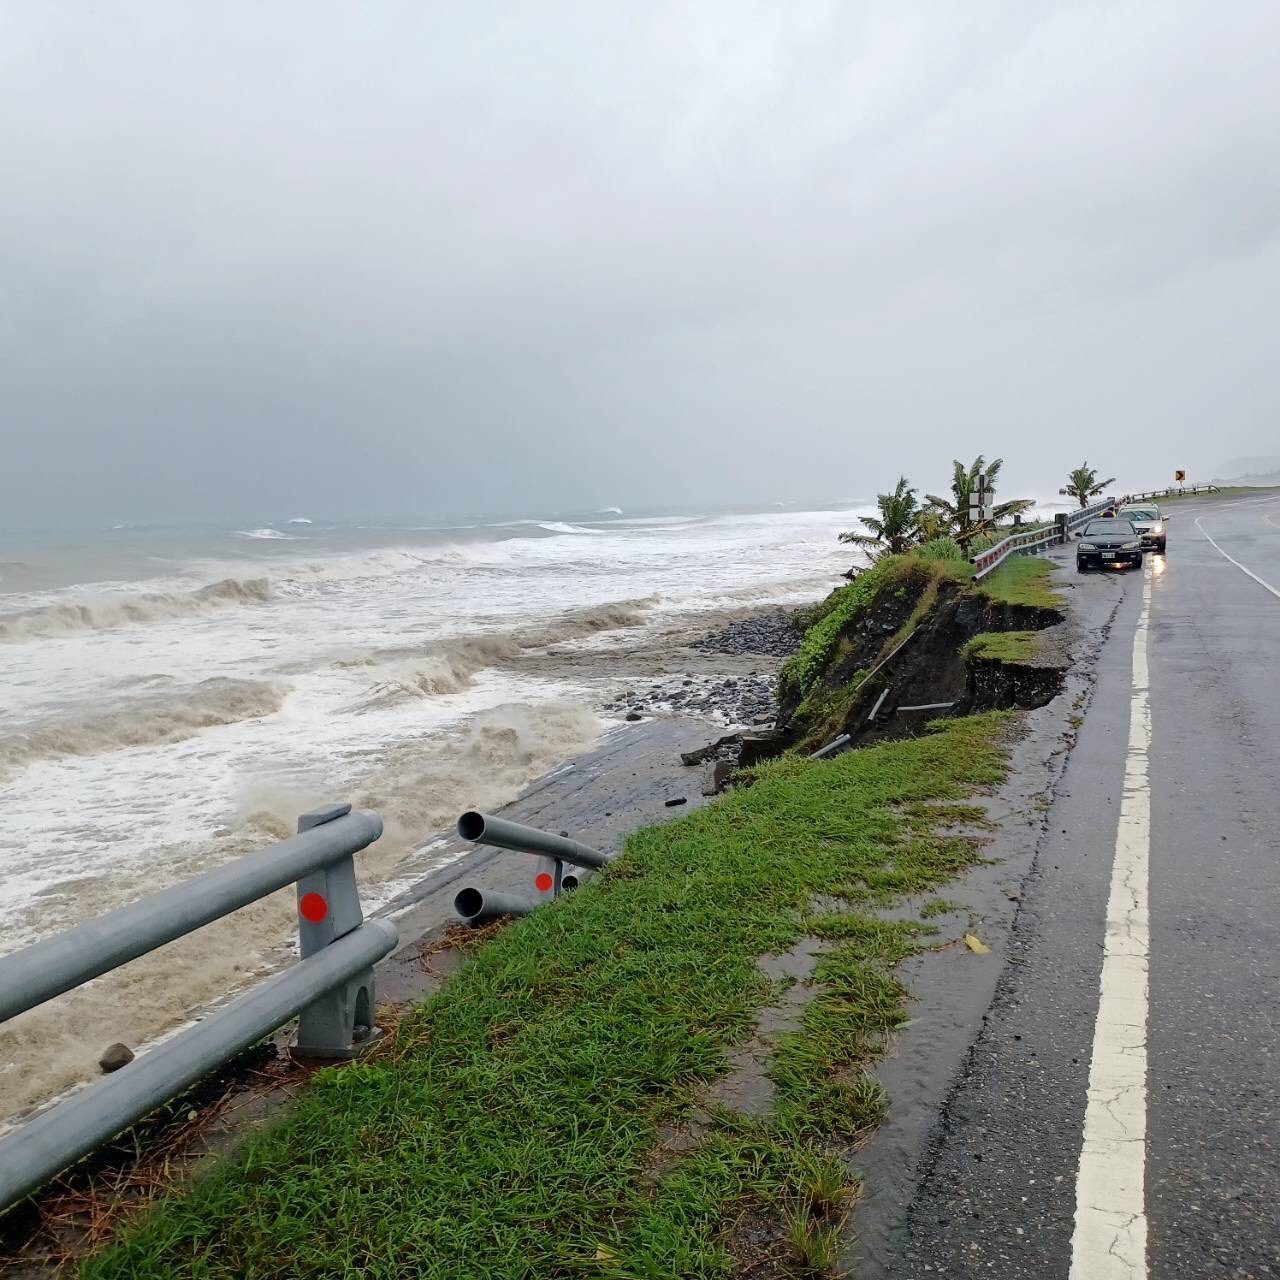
(772, 634)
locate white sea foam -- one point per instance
(95, 613)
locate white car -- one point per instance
(1149, 521)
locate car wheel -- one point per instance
(1160, 545)
(1081, 567)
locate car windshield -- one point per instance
(1139, 513)
(1104, 528)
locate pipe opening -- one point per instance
(569, 882)
(471, 825)
(468, 903)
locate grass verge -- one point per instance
(1020, 647)
(509, 1129)
(1023, 580)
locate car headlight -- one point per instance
(1130, 546)
(1158, 527)
(1087, 546)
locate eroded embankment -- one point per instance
(912, 640)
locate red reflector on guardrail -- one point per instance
(543, 882)
(313, 908)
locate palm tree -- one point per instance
(931, 524)
(895, 529)
(964, 484)
(1083, 483)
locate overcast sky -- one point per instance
(430, 258)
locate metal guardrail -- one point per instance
(330, 989)
(1174, 491)
(480, 906)
(1034, 540)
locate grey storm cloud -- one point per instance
(427, 258)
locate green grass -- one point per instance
(1023, 580)
(1004, 646)
(508, 1130)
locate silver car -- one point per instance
(1149, 521)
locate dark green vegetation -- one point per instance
(904, 522)
(522, 1123)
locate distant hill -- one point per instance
(1259, 479)
(1250, 471)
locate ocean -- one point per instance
(175, 697)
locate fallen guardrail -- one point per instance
(330, 989)
(481, 906)
(1034, 540)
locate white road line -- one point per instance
(1110, 1238)
(1262, 582)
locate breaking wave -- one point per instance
(147, 721)
(271, 534)
(558, 526)
(103, 612)
(403, 674)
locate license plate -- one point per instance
(1106, 555)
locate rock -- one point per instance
(671, 804)
(703, 754)
(760, 745)
(717, 777)
(115, 1056)
(633, 716)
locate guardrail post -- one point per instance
(1061, 521)
(340, 1024)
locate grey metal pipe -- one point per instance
(832, 748)
(483, 829)
(57, 1138)
(483, 906)
(38, 973)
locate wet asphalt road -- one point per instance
(997, 1196)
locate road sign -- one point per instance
(1179, 476)
(980, 500)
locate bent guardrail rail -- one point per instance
(330, 989)
(1034, 540)
(480, 906)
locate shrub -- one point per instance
(941, 549)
